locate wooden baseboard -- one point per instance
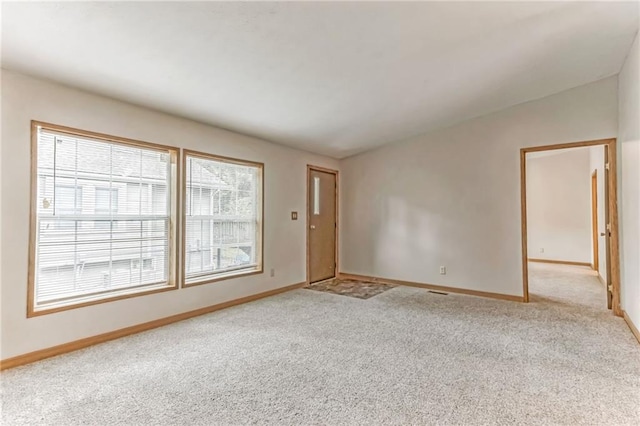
(631, 325)
(101, 338)
(433, 287)
(561, 262)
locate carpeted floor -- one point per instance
(405, 356)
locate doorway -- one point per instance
(322, 223)
(610, 227)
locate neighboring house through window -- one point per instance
(223, 217)
(106, 204)
(68, 203)
(103, 224)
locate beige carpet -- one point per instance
(571, 286)
(404, 357)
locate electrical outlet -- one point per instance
(541, 250)
(443, 270)
(273, 272)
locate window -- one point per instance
(104, 223)
(69, 203)
(223, 218)
(106, 205)
(316, 195)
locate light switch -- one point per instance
(294, 215)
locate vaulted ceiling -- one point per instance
(332, 78)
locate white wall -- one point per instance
(452, 197)
(559, 205)
(24, 99)
(596, 159)
(629, 155)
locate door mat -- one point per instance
(351, 288)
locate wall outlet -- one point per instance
(273, 272)
(443, 270)
(541, 250)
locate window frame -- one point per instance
(110, 296)
(208, 279)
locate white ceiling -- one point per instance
(332, 78)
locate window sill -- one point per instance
(80, 302)
(222, 277)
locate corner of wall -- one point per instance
(629, 181)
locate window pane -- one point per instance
(106, 204)
(103, 219)
(223, 218)
(106, 200)
(316, 195)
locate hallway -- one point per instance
(573, 287)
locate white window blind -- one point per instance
(223, 218)
(103, 218)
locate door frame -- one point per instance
(612, 202)
(337, 227)
(594, 221)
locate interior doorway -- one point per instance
(609, 229)
(322, 223)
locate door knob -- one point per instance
(314, 227)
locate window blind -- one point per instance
(222, 218)
(102, 218)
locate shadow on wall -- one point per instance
(407, 235)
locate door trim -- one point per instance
(337, 227)
(612, 202)
(594, 222)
